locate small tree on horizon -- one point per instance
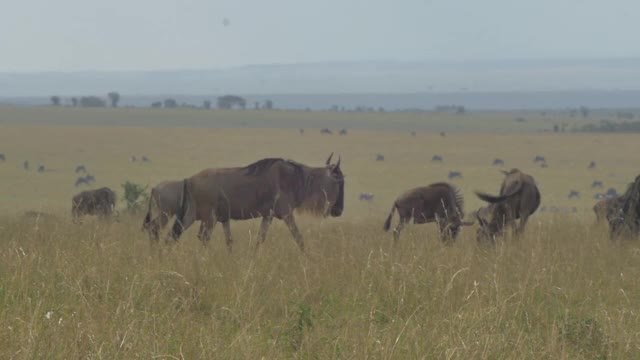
(114, 98)
(74, 101)
(55, 100)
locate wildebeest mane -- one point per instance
(260, 166)
(457, 195)
(628, 215)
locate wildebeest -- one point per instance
(343, 132)
(326, 131)
(544, 165)
(437, 158)
(25, 165)
(592, 165)
(440, 202)
(443, 134)
(2, 157)
(145, 159)
(132, 158)
(624, 217)
(413, 133)
(519, 198)
(498, 162)
(455, 174)
(268, 188)
(90, 179)
(539, 159)
(100, 202)
(606, 207)
(379, 157)
(81, 169)
(573, 194)
(366, 196)
(81, 181)
(41, 169)
(301, 131)
(596, 184)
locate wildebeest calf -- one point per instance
(440, 202)
(100, 202)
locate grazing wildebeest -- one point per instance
(573, 194)
(268, 188)
(366, 196)
(99, 202)
(301, 131)
(443, 134)
(440, 202)
(379, 157)
(81, 169)
(343, 132)
(25, 165)
(413, 133)
(592, 165)
(90, 179)
(326, 131)
(605, 207)
(145, 159)
(132, 158)
(519, 198)
(41, 168)
(498, 162)
(2, 157)
(436, 158)
(596, 184)
(539, 159)
(624, 218)
(455, 174)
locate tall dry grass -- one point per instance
(102, 290)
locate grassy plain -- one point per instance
(100, 290)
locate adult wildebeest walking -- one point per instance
(268, 188)
(624, 217)
(519, 198)
(440, 202)
(99, 202)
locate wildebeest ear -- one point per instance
(329, 159)
(338, 164)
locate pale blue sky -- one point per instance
(72, 35)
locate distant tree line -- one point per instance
(89, 101)
(225, 102)
(611, 126)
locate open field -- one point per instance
(100, 290)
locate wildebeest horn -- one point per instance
(338, 164)
(329, 159)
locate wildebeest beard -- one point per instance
(316, 185)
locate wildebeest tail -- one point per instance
(499, 198)
(147, 218)
(178, 227)
(387, 223)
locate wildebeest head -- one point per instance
(489, 227)
(325, 190)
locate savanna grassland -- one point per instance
(102, 290)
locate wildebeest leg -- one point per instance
(523, 223)
(226, 225)
(297, 236)
(206, 228)
(264, 226)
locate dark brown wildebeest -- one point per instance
(268, 188)
(606, 206)
(99, 202)
(440, 202)
(454, 174)
(624, 217)
(592, 165)
(519, 198)
(164, 203)
(573, 194)
(436, 158)
(2, 157)
(379, 157)
(498, 162)
(81, 169)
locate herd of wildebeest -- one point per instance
(276, 188)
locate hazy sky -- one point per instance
(70, 35)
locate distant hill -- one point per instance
(339, 78)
